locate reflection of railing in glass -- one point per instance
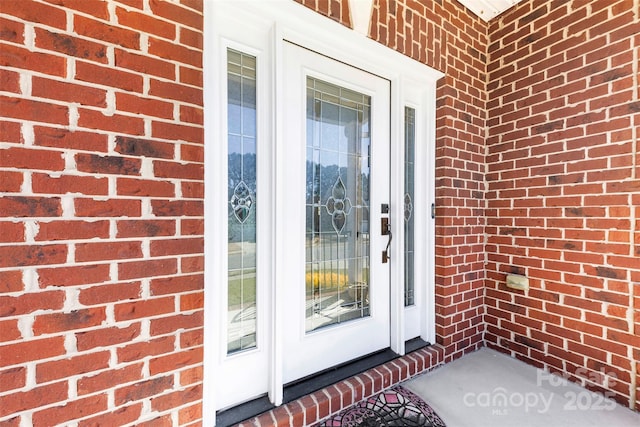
(337, 221)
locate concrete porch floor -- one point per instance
(489, 389)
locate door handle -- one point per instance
(386, 231)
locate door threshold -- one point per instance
(308, 385)
(297, 389)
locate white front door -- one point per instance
(335, 283)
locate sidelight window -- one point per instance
(241, 143)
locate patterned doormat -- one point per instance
(396, 407)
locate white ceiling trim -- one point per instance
(488, 9)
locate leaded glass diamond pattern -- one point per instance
(408, 207)
(241, 202)
(338, 206)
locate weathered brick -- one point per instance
(27, 255)
(72, 230)
(76, 319)
(142, 390)
(106, 293)
(106, 337)
(177, 13)
(107, 33)
(32, 11)
(144, 147)
(75, 409)
(71, 276)
(36, 111)
(115, 123)
(69, 92)
(99, 10)
(29, 302)
(175, 91)
(70, 45)
(11, 281)
(107, 76)
(146, 228)
(145, 188)
(141, 350)
(25, 158)
(62, 138)
(147, 106)
(11, 231)
(123, 415)
(107, 208)
(87, 252)
(13, 378)
(48, 394)
(89, 185)
(11, 31)
(146, 23)
(9, 81)
(107, 164)
(65, 368)
(144, 308)
(145, 64)
(29, 350)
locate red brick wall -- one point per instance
(563, 175)
(101, 242)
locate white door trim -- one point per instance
(279, 20)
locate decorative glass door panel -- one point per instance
(336, 138)
(337, 205)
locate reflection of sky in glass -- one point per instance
(241, 91)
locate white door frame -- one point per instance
(262, 26)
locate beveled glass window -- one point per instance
(337, 204)
(241, 140)
(409, 196)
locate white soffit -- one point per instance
(488, 9)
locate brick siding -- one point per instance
(563, 200)
(101, 253)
